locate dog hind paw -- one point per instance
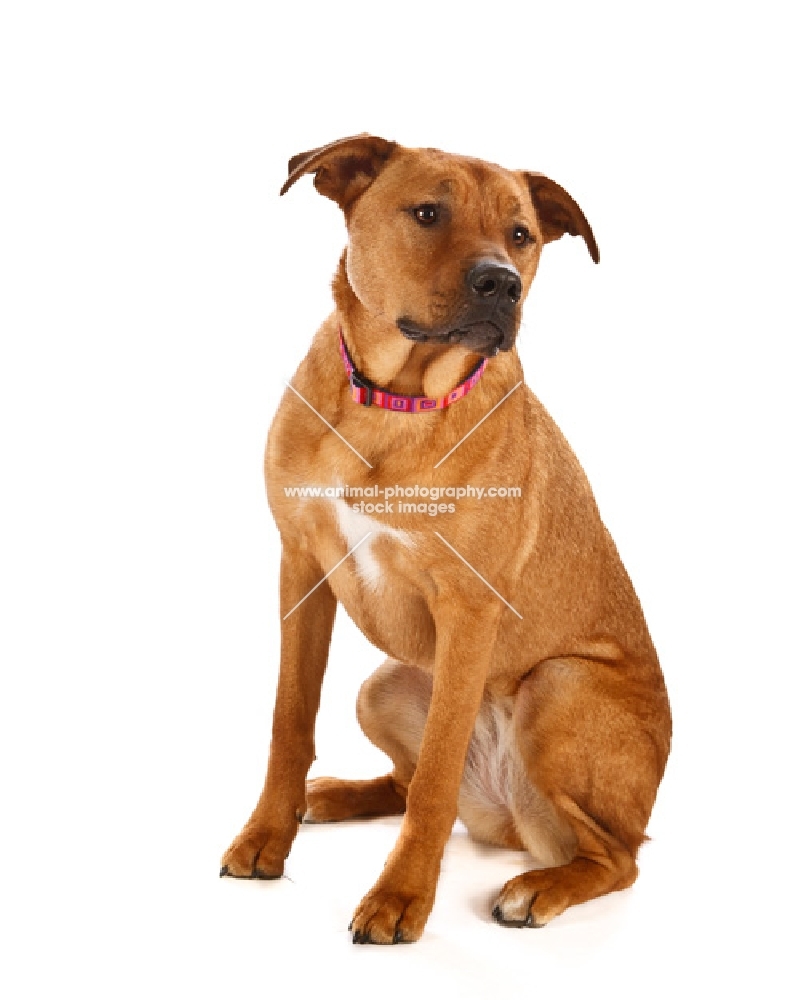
(529, 900)
(331, 799)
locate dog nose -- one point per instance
(489, 279)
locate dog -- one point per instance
(521, 690)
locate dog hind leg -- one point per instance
(392, 707)
(392, 710)
(594, 743)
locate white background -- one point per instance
(155, 292)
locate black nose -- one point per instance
(488, 279)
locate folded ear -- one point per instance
(559, 213)
(344, 169)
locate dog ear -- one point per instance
(559, 213)
(344, 169)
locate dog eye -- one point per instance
(426, 215)
(521, 236)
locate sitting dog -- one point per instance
(522, 691)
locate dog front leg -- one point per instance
(398, 906)
(263, 845)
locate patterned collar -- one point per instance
(367, 394)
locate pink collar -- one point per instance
(364, 392)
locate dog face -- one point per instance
(443, 247)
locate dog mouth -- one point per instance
(485, 336)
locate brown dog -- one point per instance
(522, 690)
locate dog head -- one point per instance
(445, 247)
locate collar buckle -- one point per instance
(358, 381)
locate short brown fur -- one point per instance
(546, 726)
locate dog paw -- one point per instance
(332, 799)
(252, 855)
(385, 917)
(322, 801)
(529, 900)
